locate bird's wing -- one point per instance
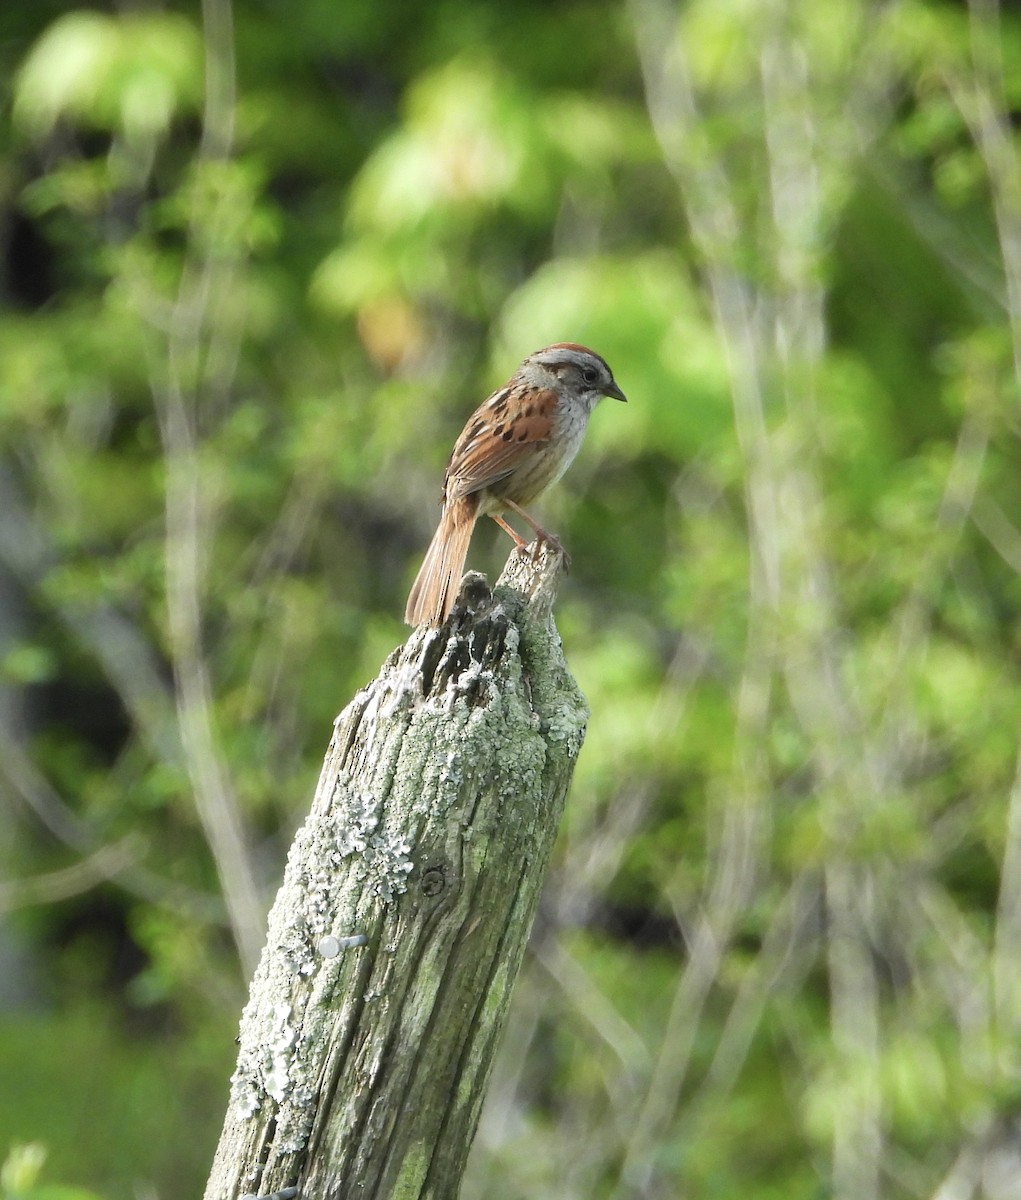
(500, 436)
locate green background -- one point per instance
(258, 265)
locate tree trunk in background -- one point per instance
(409, 893)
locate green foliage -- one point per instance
(109, 1106)
(19, 1177)
(132, 75)
(241, 327)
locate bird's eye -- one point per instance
(590, 374)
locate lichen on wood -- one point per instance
(408, 895)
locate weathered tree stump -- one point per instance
(409, 893)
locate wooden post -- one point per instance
(407, 900)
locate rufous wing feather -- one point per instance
(493, 446)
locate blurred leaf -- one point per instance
(133, 74)
(29, 664)
(19, 1177)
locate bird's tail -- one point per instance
(435, 588)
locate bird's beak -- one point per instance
(611, 389)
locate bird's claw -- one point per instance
(550, 540)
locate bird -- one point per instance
(516, 444)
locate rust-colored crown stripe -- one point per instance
(578, 350)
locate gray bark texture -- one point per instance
(407, 900)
